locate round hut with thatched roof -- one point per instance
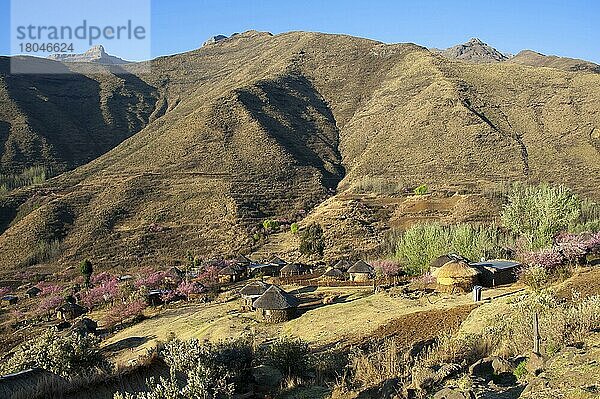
(342, 265)
(276, 305)
(456, 274)
(361, 271)
(442, 260)
(229, 274)
(291, 269)
(253, 291)
(333, 274)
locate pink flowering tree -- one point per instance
(549, 259)
(48, 305)
(209, 276)
(121, 312)
(387, 268)
(103, 290)
(155, 280)
(4, 290)
(188, 289)
(48, 288)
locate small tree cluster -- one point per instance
(312, 241)
(122, 311)
(538, 213)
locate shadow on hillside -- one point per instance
(72, 118)
(291, 110)
(127, 343)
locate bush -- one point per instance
(538, 213)
(535, 277)
(271, 225)
(312, 241)
(291, 356)
(521, 370)
(67, 355)
(421, 190)
(294, 228)
(211, 370)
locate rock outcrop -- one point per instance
(95, 54)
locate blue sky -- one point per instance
(567, 28)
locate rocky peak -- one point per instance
(214, 39)
(475, 50)
(96, 54)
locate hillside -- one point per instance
(66, 120)
(532, 58)
(258, 126)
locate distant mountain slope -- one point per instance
(65, 120)
(528, 57)
(476, 51)
(473, 51)
(262, 126)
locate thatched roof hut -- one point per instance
(252, 291)
(342, 265)
(242, 260)
(276, 260)
(276, 305)
(361, 271)
(70, 311)
(442, 260)
(333, 274)
(229, 274)
(292, 269)
(457, 274)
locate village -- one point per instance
(262, 290)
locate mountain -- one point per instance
(95, 54)
(474, 51)
(65, 120)
(532, 58)
(292, 126)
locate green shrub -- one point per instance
(294, 228)
(538, 213)
(312, 241)
(521, 370)
(291, 356)
(67, 355)
(271, 225)
(421, 190)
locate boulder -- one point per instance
(267, 376)
(535, 364)
(214, 39)
(502, 366)
(482, 368)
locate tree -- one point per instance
(312, 241)
(538, 213)
(86, 270)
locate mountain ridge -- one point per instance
(288, 126)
